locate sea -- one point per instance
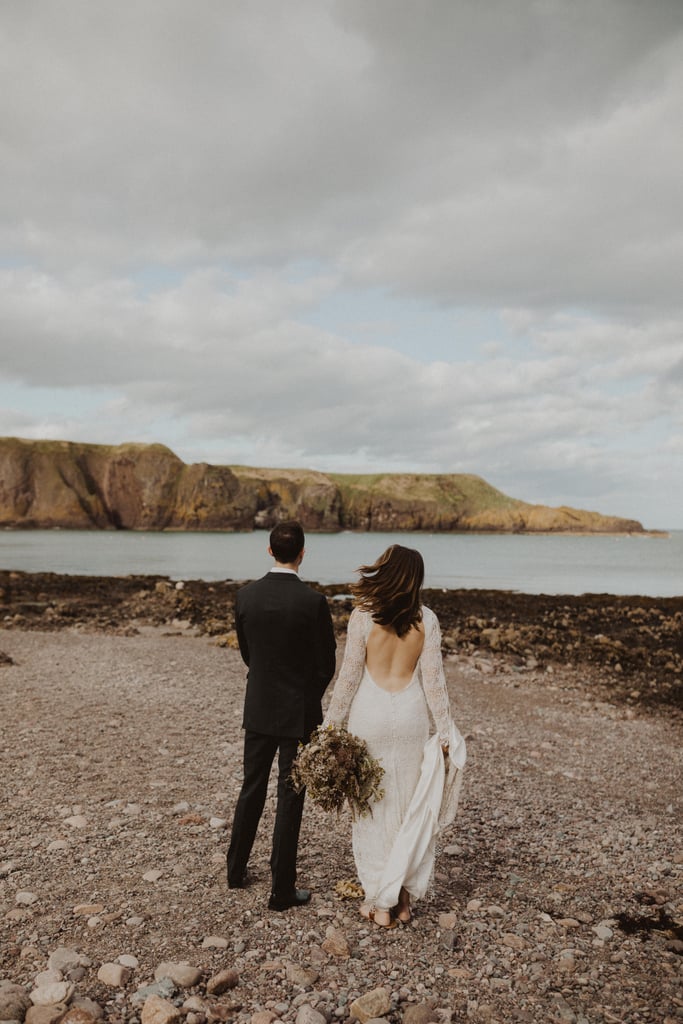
(646, 565)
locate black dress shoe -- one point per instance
(239, 883)
(297, 899)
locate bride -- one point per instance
(390, 681)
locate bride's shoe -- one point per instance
(403, 912)
(370, 914)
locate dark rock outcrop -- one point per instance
(147, 487)
(627, 648)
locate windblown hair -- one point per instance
(287, 541)
(391, 589)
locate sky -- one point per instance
(352, 236)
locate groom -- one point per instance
(286, 639)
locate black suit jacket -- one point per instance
(286, 639)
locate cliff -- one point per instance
(147, 487)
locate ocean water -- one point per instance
(645, 565)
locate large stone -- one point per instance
(164, 988)
(196, 1004)
(47, 977)
(221, 982)
(52, 992)
(81, 1015)
(25, 899)
(45, 1014)
(307, 1014)
(218, 1012)
(305, 977)
(159, 1011)
(114, 975)
(263, 1017)
(88, 1005)
(14, 1001)
(181, 974)
(87, 909)
(375, 1003)
(419, 1013)
(64, 959)
(336, 943)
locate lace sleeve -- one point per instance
(351, 671)
(433, 678)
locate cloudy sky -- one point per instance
(438, 236)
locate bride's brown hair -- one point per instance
(391, 589)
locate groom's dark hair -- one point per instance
(287, 541)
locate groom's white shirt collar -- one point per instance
(279, 569)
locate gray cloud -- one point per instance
(183, 186)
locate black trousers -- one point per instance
(259, 754)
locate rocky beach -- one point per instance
(557, 894)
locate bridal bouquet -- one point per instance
(335, 767)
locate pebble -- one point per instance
(128, 960)
(87, 909)
(221, 982)
(80, 1015)
(152, 876)
(308, 1015)
(375, 1003)
(558, 857)
(14, 1001)
(305, 977)
(64, 959)
(114, 975)
(164, 988)
(51, 993)
(336, 943)
(181, 974)
(215, 942)
(25, 899)
(495, 911)
(156, 1010)
(263, 1017)
(419, 1013)
(76, 821)
(45, 1014)
(87, 1006)
(47, 977)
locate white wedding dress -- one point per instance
(395, 846)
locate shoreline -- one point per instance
(28, 527)
(630, 647)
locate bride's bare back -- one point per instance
(391, 659)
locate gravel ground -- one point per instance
(557, 894)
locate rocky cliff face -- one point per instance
(147, 487)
